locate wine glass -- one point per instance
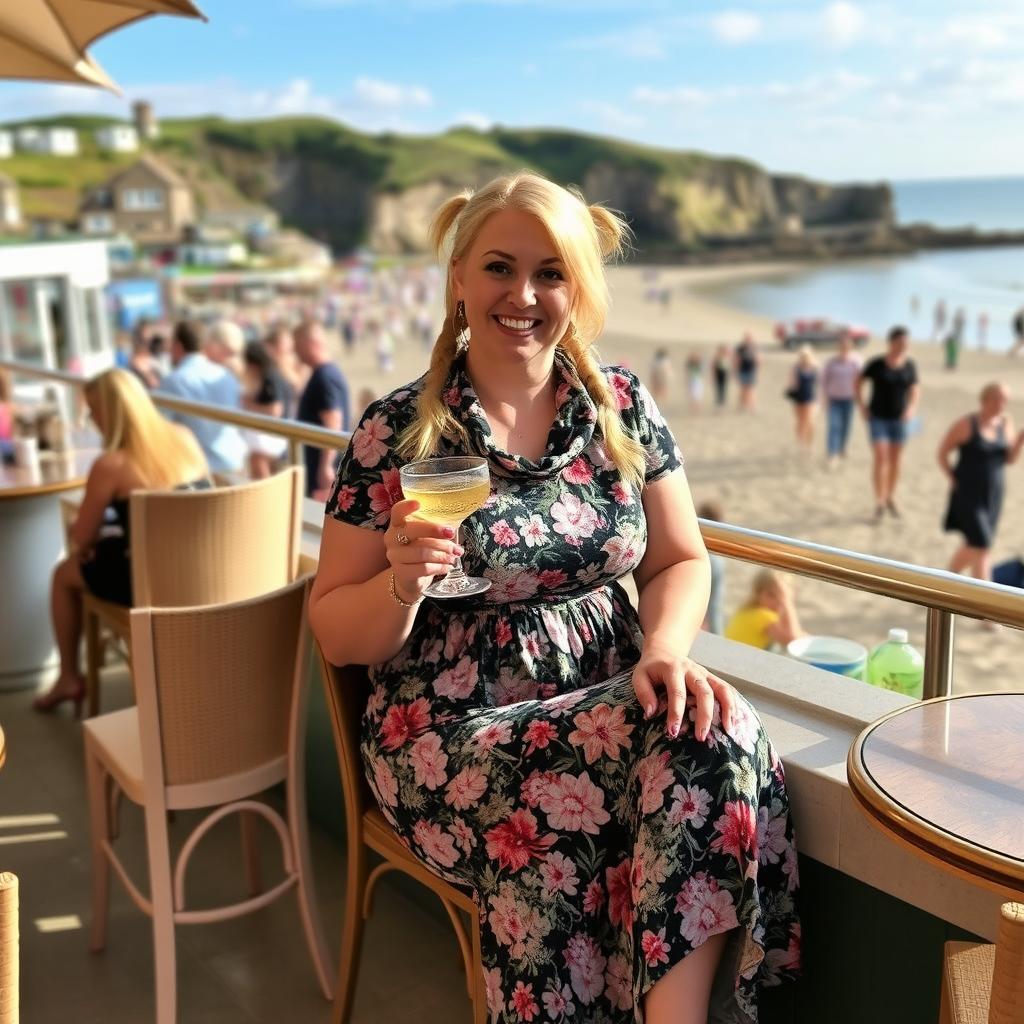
(449, 490)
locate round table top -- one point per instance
(945, 776)
(63, 472)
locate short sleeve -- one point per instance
(911, 372)
(367, 483)
(643, 419)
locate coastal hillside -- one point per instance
(349, 188)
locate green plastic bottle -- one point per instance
(896, 665)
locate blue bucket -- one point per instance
(831, 653)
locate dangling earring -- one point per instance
(461, 326)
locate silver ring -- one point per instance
(401, 538)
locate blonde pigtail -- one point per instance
(612, 232)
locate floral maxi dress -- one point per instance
(506, 746)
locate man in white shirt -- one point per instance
(197, 378)
(839, 383)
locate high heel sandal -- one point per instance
(52, 700)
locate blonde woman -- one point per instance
(768, 617)
(803, 393)
(543, 743)
(142, 450)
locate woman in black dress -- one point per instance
(985, 442)
(141, 451)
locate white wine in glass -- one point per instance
(449, 491)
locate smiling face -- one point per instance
(517, 296)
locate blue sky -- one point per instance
(836, 89)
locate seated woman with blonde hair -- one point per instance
(141, 451)
(768, 617)
(616, 809)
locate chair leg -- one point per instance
(251, 853)
(93, 654)
(480, 1011)
(351, 935)
(158, 855)
(99, 829)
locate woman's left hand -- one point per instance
(661, 668)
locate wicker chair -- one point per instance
(220, 718)
(983, 984)
(196, 548)
(367, 828)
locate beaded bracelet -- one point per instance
(397, 597)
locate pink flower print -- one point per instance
(535, 786)
(771, 834)
(745, 727)
(466, 788)
(690, 806)
(574, 519)
(458, 638)
(429, 761)
(552, 579)
(516, 923)
(707, 910)
(654, 778)
(452, 396)
(464, 836)
(510, 583)
(403, 722)
(492, 986)
(737, 831)
(532, 530)
(459, 682)
(622, 390)
(562, 703)
(578, 472)
(593, 898)
(601, 732)
(562, 393)
(503, 534)
(514, 843)
(558, 1002)
(655, 947)
(624, 554)
(790, 868)
(346, 496)
(487, 737)
(618, 981)
(539, 733)
(535, 648)
(620, 893)
(523, 1003)
(383, 495)
(385, 784)
(554, 626)
(375, 702)
(436, 845)
(509, 688)
(368, 442)
(559, 874)
(573, 804)
(586, 967)
(502, 632)
(621, 493)
(431, 651)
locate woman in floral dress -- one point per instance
(617, 811)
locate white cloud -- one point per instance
(390, 95)
(612, 116)
(639, 42)
(735, 27)
(680, 96)
(842, 23)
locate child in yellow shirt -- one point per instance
(769, 615)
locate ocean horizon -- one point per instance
(988, 204)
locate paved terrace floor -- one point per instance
(253, 969)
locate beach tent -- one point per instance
(47, 39)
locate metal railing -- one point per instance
(941, 593)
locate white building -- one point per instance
(10, 207)
(6, 144)
(51, 141)
(117, 138)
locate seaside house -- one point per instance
(117, 138)
(147, 201)
(6, 144)
(10, 206)
(48, 141)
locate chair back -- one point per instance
(206, 547)
(347, 689)
(219, 692)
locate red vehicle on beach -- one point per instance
(818, 332)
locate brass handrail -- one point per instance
(942, 593)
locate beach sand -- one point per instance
(750, 465)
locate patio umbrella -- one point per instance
(47, 39)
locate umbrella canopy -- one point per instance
(47, 39)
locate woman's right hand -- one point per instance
(424, 551)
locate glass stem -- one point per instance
(455, 573)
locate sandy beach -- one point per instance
(749, 462)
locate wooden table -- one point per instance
(31, 544)
(946, 777)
